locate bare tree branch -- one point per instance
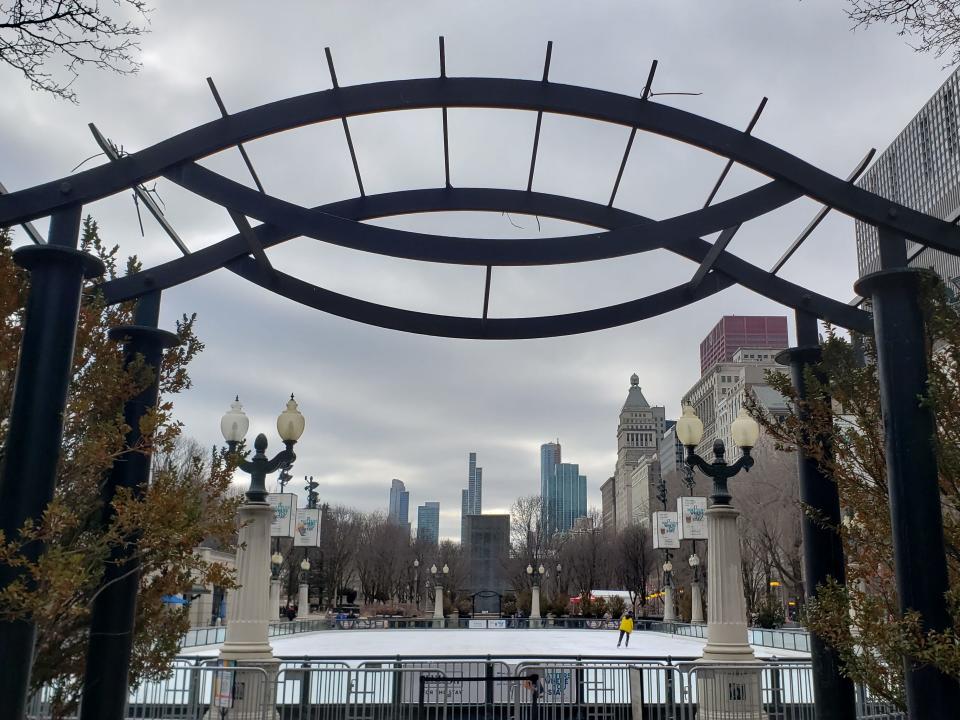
(35, 35)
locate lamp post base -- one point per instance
(669, 614)
(729, 693)
(696, 604)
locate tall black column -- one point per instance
(35, 429)
(822, 548)
(915, 513)
(114, 608)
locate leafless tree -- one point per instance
(36, 34)
(635, 562)
(587, 557)
(933, 26)
(339, 538)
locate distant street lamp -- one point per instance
(727, 638)
(249, 614)
(669, 615)
(276, 563)
(416, 595)
(696, 602)
(535, 575)
(438, 591)
(303, 590)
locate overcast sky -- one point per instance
(381, 404)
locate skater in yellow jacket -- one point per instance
(626, 627)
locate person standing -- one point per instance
(626, 627)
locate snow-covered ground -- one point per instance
(510, 643)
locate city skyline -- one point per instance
(381, 404)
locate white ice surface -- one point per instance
(414, 643)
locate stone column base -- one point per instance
(729, 693)
(254, 693)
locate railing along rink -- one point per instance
(480, 689)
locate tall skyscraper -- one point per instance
(563, 490)
(739, 331)
(549, 459)
(471, 499)
(399, 512)
(638, 436)
(428, 522)
(920, 169)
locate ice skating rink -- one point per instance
(510, 643)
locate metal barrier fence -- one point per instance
(216, 634)
(480, 689)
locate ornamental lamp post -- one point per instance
(416, 594)
(438, 592)
(669, 614)
(727, 638)
(249, 610)
(276, 564)
(535, 575)
(303, 590)
(696, 603)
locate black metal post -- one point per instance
(114, 608)
(909, 426)
(822, 548)
(35, 429)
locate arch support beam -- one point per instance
(497, 93)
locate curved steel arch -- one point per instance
(447, 92)
(231, 253)
(644, 234)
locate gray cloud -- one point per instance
(381, 404)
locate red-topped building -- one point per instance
(738, 331)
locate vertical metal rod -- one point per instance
(623, 165)
(536, 133)
(446, 136)
(486, 292)
(113, 614)
(240, 147)
(912, 476)
(346, 126)
(822, 547)
(35, 429)
(726, 168)
(633, 133)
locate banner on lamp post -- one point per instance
(693, 519)
(307, 530)
(284, 513)
(666, 530)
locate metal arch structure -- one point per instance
(57, 269)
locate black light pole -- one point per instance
(667, 593)
(691, 483)
(912, 476)
(33, 444)
(114, 608)
(833, 694)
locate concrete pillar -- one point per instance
(438, 603)
(274, 598)
(303, 601)
(669, 613)
(248, 613)
(535, 603)
(727, 692)
(696, 604)
(727, 638)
